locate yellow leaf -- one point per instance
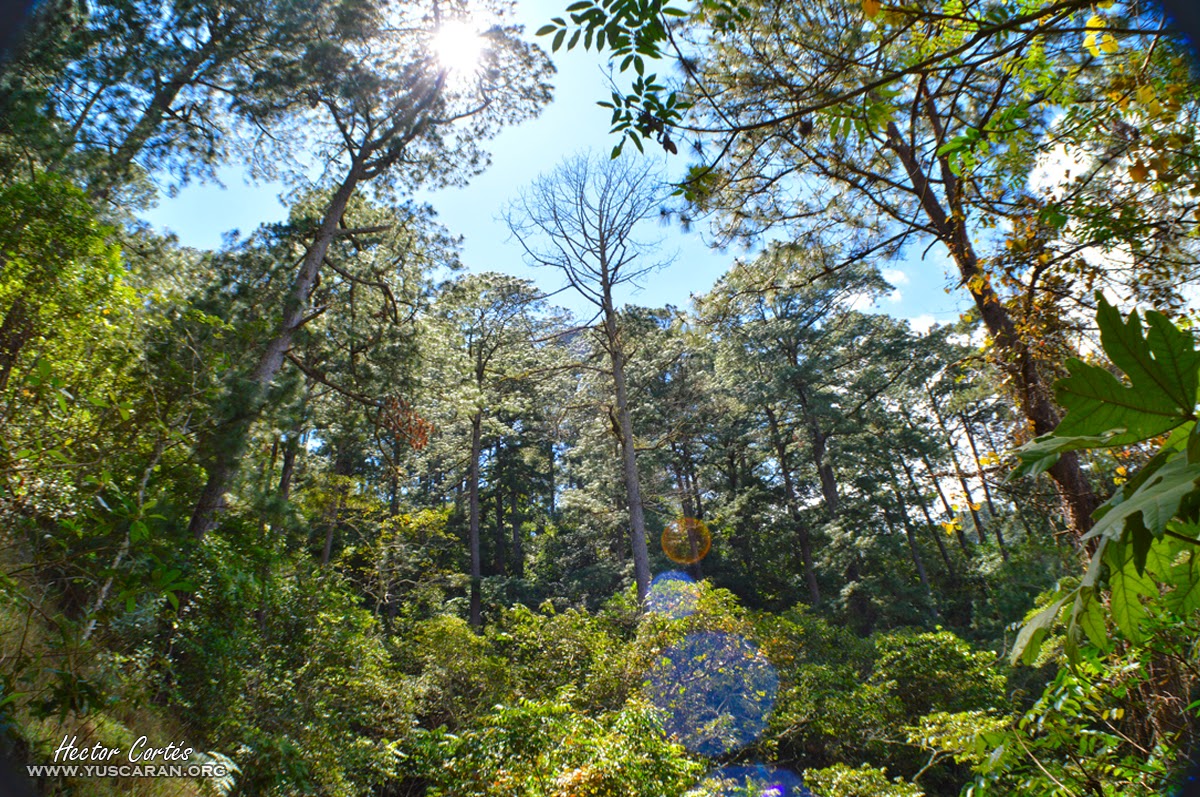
(1108, 43)
(1105, 3)
(1145, 94)
(872, 7)
(1138, 172)
(1089, 42)
(1096, 21)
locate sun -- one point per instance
(458, 47)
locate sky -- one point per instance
(201, 214)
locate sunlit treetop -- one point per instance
(408, 99)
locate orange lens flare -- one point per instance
(686, 540)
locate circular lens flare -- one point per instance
(758, 780)
(458, 47)
(686, 540)
(673, 594)
(716, 690)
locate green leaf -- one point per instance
(1140, 540)
(1185, 598)
(1171, 490)
(1166, 356)
(1162, 367)
(1040, 454)
(955, 144)
(1089, 614)
(1053, 216)
(1193, 445)
(545, 30)
(1160, 558)
(558, 40)
(1029, 640)
(1128, 587)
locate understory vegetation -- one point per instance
(348, 517)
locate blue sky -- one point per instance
(201, 214)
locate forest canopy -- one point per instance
(341, 512)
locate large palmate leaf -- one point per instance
(1162, 367)
(1026, 645)
(1128, 587)
(1142, 538)
(1172, 490)
(1040, 454)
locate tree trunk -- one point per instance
(498, 535)
(689, 508)
(979, 470)
(633, 487)
(228, 448)
(789, 492)
(476, 616)
(518, 547)
(818, 439)
(912, 484)
(962, 539)
(958, 471)
(289, 465)
(15, 332)
(1015, 357)
(914, 552)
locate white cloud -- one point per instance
(860, 302)
(922, 323)
(895, 276)
(1056, 169)
(895, 296)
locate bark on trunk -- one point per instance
(818, 438)
(227, 455)
(914, 551)
(912, 485)
(633, 487)
(476, 615)
(962, 539)
(1016, 359)
(958, 472)
(498, 535)
(789, 492)
(15, 332)
(979, 470)
(289, 465)
(518, 547)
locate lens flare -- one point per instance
(458, 47)
(755, 780)
(673, 594)
(686, 540)
(716, 690)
